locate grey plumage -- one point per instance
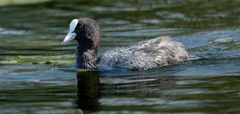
(145, 55)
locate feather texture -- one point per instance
(145, 55)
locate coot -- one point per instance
(148, 54)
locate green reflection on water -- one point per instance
(16, 2)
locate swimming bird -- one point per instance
(145, 55)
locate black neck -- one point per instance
(86, 57)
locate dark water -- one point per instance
(37, 74)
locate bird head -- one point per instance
(84, 30)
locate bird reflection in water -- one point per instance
(88, 92)
(89, 88)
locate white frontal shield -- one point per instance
(71, 35)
